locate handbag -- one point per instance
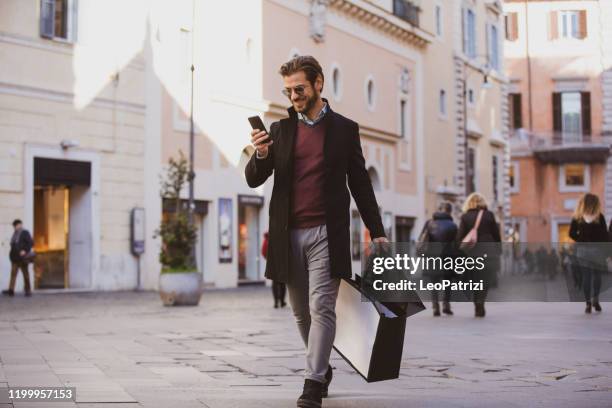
(30, 256)
(370, 334)
(471, 237)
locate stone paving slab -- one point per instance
(234, 350)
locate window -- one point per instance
(471, 96)
(514, 177)
(58, 19)
(572, 115)
(403, 118)
(471, 170)
(438, 21)
(511, 20)
(568, 24)
(407, 11)
(374, 179)
(574, 178)
(469, 33)
(336, 83)
(515, 107)
(355, 235)
(442, 102)
(493, 39)
(370, 93)
(495, 176)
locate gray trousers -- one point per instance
(312, 295)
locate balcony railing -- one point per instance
(559, 147)
(407, 11)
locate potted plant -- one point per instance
(180, 283)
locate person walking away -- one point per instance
(476, 215)
(278, 288)
(21, 246)
(588, 229)
(439, 235)
(313, 154)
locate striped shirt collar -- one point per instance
(316, 120)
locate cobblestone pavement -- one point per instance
(234, 350)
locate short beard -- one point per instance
(310, 102)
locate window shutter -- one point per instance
(517, 111)
(585, 99)
(553, 26)
(514, 26)
(464, 29)
(582, 24)
(557, 119)
(47, 17)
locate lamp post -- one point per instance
(192, 134)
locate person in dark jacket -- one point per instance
(440, 232)
(588, 230)
(21, 245)
(278, 288)
(313, 154)
(488, 232)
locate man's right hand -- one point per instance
(261, 141)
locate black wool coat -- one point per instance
(344, 164)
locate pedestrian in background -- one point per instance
(438, 239)
(21, 250)
(278, 288)
(588, 229)
(477, 216)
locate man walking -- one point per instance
(312, 154)
(440, 232)
(21, 245)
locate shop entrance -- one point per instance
(62, 229)
(249, 238)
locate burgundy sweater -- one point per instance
(308, 175)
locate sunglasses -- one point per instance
(299, 90)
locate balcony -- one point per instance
(407, 11)
(559, 148)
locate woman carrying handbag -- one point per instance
(478, 225)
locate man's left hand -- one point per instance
(22, 253)
(380, 239)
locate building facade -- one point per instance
(558, 60)
(373, 60)
(467, 120)
(90, 118)
(72, 140)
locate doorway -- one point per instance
(403, 228)
(249, 242)
(62, 228)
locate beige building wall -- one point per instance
(90, 93)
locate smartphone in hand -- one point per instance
(257, 123)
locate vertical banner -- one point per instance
(225, 230)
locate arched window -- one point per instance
(370, 92)
(336, 82)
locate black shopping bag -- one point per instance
(370, 334)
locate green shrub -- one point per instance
(177, 234)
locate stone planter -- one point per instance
(180, 288)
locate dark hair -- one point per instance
(16, 222)
(305, 63)
(446, 207)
